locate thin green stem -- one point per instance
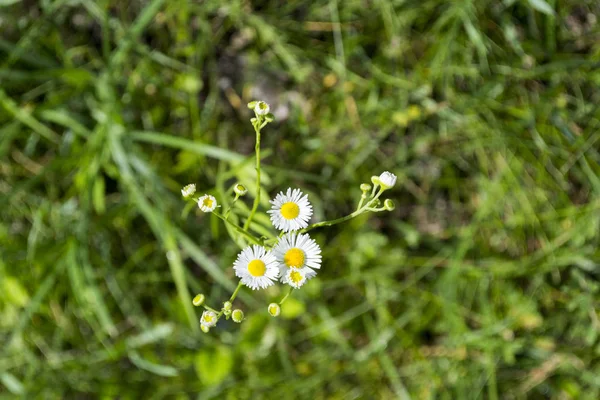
(231, 299)
(226, 215)
(286, 296)
(209, 308)
(257, 198)
(235, 292)
(361, 209)
(248, 235)
(362, 200)
(334, 221)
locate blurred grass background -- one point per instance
(483, 283)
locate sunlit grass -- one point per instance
(482, 283)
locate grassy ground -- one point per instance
(483, 283)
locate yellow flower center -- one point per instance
(295, 276)
(208, 318)
(257, 268)
(207, 202)
(294, 258)
(290, 210)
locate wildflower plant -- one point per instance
(291, 258)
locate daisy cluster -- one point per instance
(295, 257)
(292, 257)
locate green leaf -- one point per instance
(14, 292)
(541, 6)
(11, 383)
(214, 364)
(4, 3)
(157, 369)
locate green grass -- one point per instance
(483, 283)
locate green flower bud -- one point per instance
(198, 300)
(365, 187)
(237, 315)
(227, 305)
(375, 180)
(274, 309)
(204, 328)
(269, 117)
(240, 189)
(375, 203)
(389, 205)
(252, 104)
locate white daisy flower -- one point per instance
(261, 108)
(291, 211)
(207, 203)
(300, 252)
(208, 319)
(188, 190)
(387, 180)
(256, 267)
(296, 277)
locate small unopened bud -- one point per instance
(252, 104)
(227, 305)
(188, 190)
(237, 315)
(261, 108)
(198, 300)
(375, 180)
(240, 189)
(204, 328)
(389, 205)
(274, 309)
(365, 187)
(387, 180)
(375, 203)
(227, 313)
(269, 117)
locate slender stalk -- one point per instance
(231, 299)
(362, 200)
(257, 198)
(334, 221)
(286, 296)
(235, 292)
(361, 209)
(209, 308)
(248, 236)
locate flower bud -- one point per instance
(269, 117)
(375, 203)
(204, 328)
(375, 180)
(237, 315)
(261, 108)
(188, 190)
(387, 180)
(389, 205)
(227, 305)
(274, 309)
(198, 300)
(252, 104)
(240, 189)
(365, 187)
